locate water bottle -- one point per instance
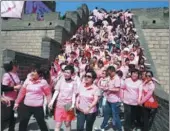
(15, 113)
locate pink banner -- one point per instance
(12, 9)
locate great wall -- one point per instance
(28, 40)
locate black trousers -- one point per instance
(148, 117)
(7, 116)
(88, 118)
(25, 115)
(132, 115)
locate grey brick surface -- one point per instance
(159, 52)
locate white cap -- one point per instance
(126, 49)
(113, 42)
(63, 67)
(74, 36)
(134, 29)
(136, 36)
(115, 66)
(131, 22)
(90, 17)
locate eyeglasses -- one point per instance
(87, 76)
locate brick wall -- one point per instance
(158, 43)
(155, 41)
(50, 48)
(25, 35)
(24, 61)
(26, 41)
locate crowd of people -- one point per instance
(100, 68)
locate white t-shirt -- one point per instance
(90, 23)
(100, 16)
(105, 23)
(95, 12)
(109, 28)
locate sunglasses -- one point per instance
(67, 72)
(87, 76)
(83, 59)
(108, 58)
(148, 76)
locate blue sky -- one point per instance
(62, 6)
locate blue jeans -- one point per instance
(100, 107)
(107, 114)
(116, 114)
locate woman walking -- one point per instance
(86, 103)
(65, 94)
(102, 84)
(130, 100)
(113, 96)
(33, 91)
(10, 86)
(148, 101)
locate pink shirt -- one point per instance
(131, 91)
(148, 90)
(103, 84)
(121, 89)
(122, 17)
(7, 80)
(66, 91)
(99, 71)
(125, 70)
(137, 58)
(82, 67)
(100, 16)
(86, 96)
(29, 76)
(134, 62)
(111, 96)
(34, 92)
(68, 48)
(70, 60)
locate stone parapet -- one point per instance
(74, 16)
(159, 12)
(153, 18)
(69, 25)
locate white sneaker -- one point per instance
(95, 128)
(101, 129)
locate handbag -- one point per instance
(67, 106)
(151, 105)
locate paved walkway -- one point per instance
(33, 126)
